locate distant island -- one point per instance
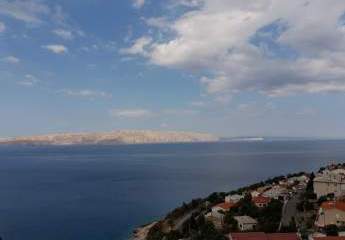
(112, 138)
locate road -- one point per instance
(290, 209)
(178, 224)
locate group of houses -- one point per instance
(329, 187)
(260, 197)
(330, 184)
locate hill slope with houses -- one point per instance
(299, 206)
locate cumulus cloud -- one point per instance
(29, 11)
(138, 3)
(65, 34)
(85, 93)
(56, 48)
(131, 113)
(11, 59)
(268, 46)
(2, 27)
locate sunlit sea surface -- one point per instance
(103, 192)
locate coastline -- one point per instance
(141, 233)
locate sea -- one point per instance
(104, 192)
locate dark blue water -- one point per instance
(102, 192)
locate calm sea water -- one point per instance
(103, 192)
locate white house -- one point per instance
(330, 182)
(276, 192)
(246, 223)
(331, 212)
(219, 210)
(235, 198)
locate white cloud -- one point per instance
(29, 11)
(180, 112)
(139, 47)
(187, 3)
(65, 34)
(198, 104)
(157, 22)
(56, 48)
(29, 80)
(86, 93)
(131, 113)
(138, 3)
(2, 27)
(11, 59)
(268, 46)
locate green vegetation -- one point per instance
(185, 208)
(207, 231)
(155, 232)
(269, 217)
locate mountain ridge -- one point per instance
(112, 138)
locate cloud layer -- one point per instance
(272, 47)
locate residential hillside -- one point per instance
(299, 206)
(115, 137)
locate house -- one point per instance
(298, 179)
(261, 201)
(233, 198)
(276, 192)
(263, 236)
(263, 188)
(331, 212)
(254, 194)
(330, 182)
(246, 223)
(220, 209)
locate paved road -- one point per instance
(290, 209)
(178, 224)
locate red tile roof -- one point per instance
(248, 236)
(261, 199)
(264, 236)
(329, 238)
(226, 206)
(333, 205)
(282, 236)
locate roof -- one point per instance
(226, 205)
(329, 238)
(261, 199)
(245, 220)
(282, 236)
(248, 236)
(333, 205)
(264, 236)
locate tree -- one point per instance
(208, 232)
(269, 217)
(173, 235)
(231, 222)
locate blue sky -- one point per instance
(227, 67)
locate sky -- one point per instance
(226, 67)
